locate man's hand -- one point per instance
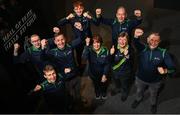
(86, 14)
(161, 70)
(98, 12)
(56, 30)
(87, 41)
(104, 79)
(44, 43)
(37, 88)
(138, 32)
(70, 16)
(137, 13)
(78, 25)
(112, 50)
(16, 48)
(67, 70)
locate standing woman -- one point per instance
(121, 59)
(98, 58)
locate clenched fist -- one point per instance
(137, 13)
(70, 16)
(56, 30)
(98, 12)
(138, 32)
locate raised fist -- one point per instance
(67, 70)
(137, 13)
(98, 12)
(16, 47)
(87, 41)
(86, 14)
(138, 32)
(70, 16)
(56, 30)
(44, 42)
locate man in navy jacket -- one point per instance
(154, 63)
(79, 16)
(121, 23)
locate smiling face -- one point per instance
(97, 41)
(50, 73)
(79, 10)
(96, 45)
(122, 42)
(35, 41)
(121, 14)
(60, 41)
(50, 76)
(153, 40)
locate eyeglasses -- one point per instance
(34, 41)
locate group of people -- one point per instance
(59, 72)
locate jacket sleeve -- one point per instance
(78, 39)
(51, 42)
(107, 65)
(63, 21)
(135, 22)
(25, 56)
(95, 21)
(86, 52)
(169, 64)
(139, 46)
(105, 21)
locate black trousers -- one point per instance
(122, 83)
(99, 87)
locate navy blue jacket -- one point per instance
(33, 55)
(126, 67)
(150, 60)
(126, 26)
(56, 87)
(99, 64)
(63, 58)
(85, 24)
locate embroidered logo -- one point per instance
(156, 58)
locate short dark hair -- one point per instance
(97, 38)
(59, 34)
(124, 34)
(77, 4)
(48, 68)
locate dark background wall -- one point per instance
(159, 15)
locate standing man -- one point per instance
(81, 17)
(154, 63)
(33, 54)
(121, 23)
(62, 57)
(53, 89)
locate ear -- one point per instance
(45, 76)
(54, 40)
(148, 38)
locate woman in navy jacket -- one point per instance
(98, 59)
